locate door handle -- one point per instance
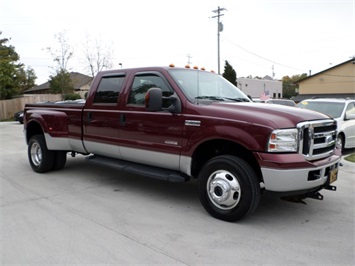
(122, 119)
(89, 117)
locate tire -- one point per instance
(41, 159)
(60, 158)
(341, 142)
(228, 188)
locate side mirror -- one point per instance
(154, 100)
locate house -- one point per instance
(335, 82)
(261, 88)
(81, 85)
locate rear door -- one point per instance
(152, 138)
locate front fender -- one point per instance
(252, 137)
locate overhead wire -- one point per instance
(261, 57)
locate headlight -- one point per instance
(283, 140)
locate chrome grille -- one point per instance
(317, 138)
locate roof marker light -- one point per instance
(187, 66)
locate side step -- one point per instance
(140, 169)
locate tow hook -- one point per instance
(333, 188)
(315, 195)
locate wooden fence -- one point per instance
(9, 107)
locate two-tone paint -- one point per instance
(172, 140)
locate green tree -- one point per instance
(61, 83)
(289, 86)
(14, 79)
(26, 79)
(229, 73)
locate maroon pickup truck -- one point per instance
(179, 123)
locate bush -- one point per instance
(71, 97)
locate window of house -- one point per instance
(109, 89)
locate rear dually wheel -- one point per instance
(41, 159)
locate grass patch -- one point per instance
(350, 158)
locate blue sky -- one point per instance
(293, 37)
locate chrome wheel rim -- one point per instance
(223, 190)
(36, 154)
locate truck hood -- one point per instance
(272, 115)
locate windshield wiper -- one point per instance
(237, 99)
(213, 98)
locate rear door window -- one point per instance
(109, 89)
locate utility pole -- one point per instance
(219, 29)
(189, 59)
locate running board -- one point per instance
(139, 169)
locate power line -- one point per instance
(261, 57)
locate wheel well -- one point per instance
(213, 148)
(32, 129)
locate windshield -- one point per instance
(333, 110)
(200, 85)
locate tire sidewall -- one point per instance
(47, 161)
(249, 193)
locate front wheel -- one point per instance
(228, 188)
(341, 142)
(41, 159)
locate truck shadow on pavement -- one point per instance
(179, 195)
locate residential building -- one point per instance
(335, 82)
(81, 85)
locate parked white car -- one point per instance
(342, 110)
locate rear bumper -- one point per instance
(299, 178)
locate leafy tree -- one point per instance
(14, 79)
(289, 85)
(26, 79)
(61, 83)
(229, 73)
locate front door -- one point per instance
(152, 138)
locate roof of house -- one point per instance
(79, 80)
(311, 76)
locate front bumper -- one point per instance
(308, 177)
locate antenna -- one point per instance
(189, 59)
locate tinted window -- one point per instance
(142, 84)
(108, 90)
